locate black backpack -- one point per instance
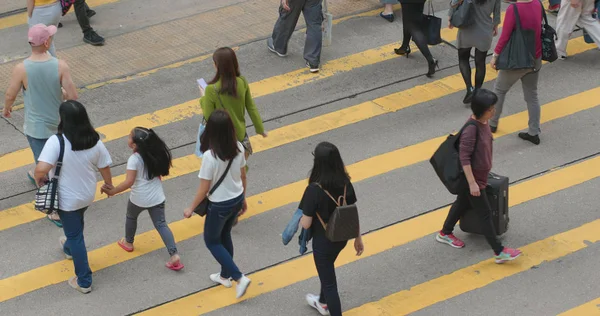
(446, 162)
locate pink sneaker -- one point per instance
(508, 254)
(449, 239)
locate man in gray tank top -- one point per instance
(45, 82)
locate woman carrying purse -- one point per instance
(530, 13)
(224, 166)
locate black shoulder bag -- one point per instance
(46, 197)
(446, 161)
(519, 52)
(202, 208)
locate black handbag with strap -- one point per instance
(519, 52)
(343, 223)
(549, 37)
(432, 26)
(46, 197)
(202, 208)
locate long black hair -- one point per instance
(328, 169)
(228, 70)
(219, 136)
(76, 126)
(155, 153)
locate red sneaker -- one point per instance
(449, 239)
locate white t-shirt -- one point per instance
(77, 180)
(212, 169)
(144, 192)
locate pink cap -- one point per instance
(40, 33)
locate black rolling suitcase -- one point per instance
(497, 192)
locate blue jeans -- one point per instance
(217, 234)
(75, 245)
(36, 145)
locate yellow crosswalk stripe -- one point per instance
(110, 255)
(481, 274)
(25, 213)
(21, 18)
(591, 308)
(260, 88)
(301, 269)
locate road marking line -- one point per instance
(301, 269)
(260, 88)
(591, 308)
(21, 18)
(481, 274)
(25, 213)
(147, 242)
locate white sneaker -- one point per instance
(73, 283)
(62, 241)
(313, 301)
(242, 286)
(216, 277)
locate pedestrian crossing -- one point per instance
(282, 275)
(399, 234)
(25, 213)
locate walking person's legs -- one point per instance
(217, 227)
(74, 246)
(480, 68)
(505, 80)
(530, 92)
(460, 205)
(284, 28)
(157, 214)
(404, 48)
(587, 21)
(89, 35)
(313, 15)
(565, 22)
(324, 256)
(133, 211)
(464, 55)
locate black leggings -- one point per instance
(465, 67)
(412, 24)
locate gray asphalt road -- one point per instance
(384, 199)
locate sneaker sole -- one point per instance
(501, 261)
(437, 237)
(93, 43)
(276, 52)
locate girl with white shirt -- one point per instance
(220, 148)
(151, 160)
(84, 154)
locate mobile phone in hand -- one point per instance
(202, 83)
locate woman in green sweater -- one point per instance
(230, 91)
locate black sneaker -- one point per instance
(534, 139)
(90, 13)
(93, 38)
(493, 128)
(60, 25)
(272, 48)
(312, 68)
